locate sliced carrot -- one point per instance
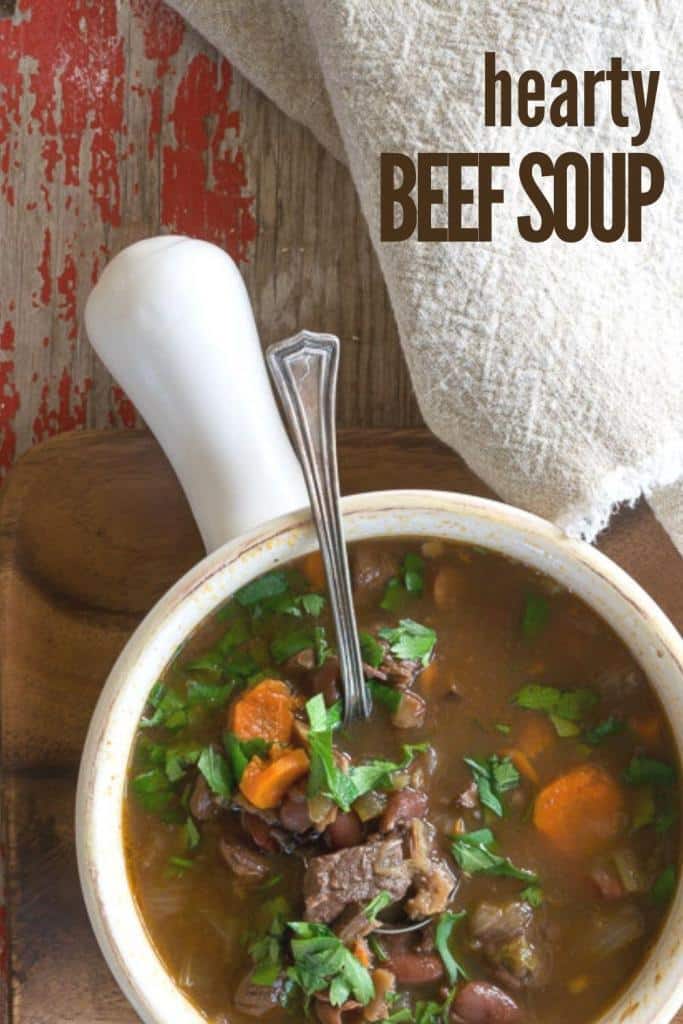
(314, 570)
(265, 712)
(648, 728)
(264, 783)
(580, 812)
(523, 764)
(361, 952)
(536, 736)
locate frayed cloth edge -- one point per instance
(622, 486)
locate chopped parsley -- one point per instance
(326, 776)
(409, 581)
(371, 650)
(179, 865)
(611, 726)
(664, 886)
(178, 759)
(168, 709)
(381, 901)
(279, 593)
(192, 836)
(665, 820)
(289, 643)
(312, 604)
(209, 694)
(565, 708)
(493, 776)
(475, 854)
(153, 790)
(535, 616)
(410, 641)
(267, 948)
(533, 895)
(216, 771)
(413, 573)
(240, 752)
(445, 925)
(389, 696)
(322, 961)
(643, 771)
(271, 585)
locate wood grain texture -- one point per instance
(93, 529)
(117, 122)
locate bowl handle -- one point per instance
(171, 319)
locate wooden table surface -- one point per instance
(117, 121)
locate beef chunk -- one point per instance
(478, 1002)
(469, 798)
(259, 831)
(384, 983)
(401, 674)
(203, 807)
(508, 936)
(411, 712)
(434, 881)
(372, 568)
(326, 679)
(354, 875)
(328, 1014)
(244, 862)
(352, 924)
(303, 661)
(257, 1000)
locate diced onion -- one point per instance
(629, 870)
(370, 805)
(614, 930)
(322, 811)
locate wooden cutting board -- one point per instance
(93, 529)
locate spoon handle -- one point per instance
(304, 371)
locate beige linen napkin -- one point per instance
(556, 370)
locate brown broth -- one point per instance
(199, 918)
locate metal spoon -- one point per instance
(304, 371)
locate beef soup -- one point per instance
(514, 795)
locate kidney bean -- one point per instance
(346, 830)
(479, 1002)
(401, 807)
(415, 968)
(294, 814)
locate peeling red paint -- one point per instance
(10, 401)
(70, 411)
(7, 336)
(76, 88)
(123, 413)
(66, 286)
(154, 120)
(204, 178)
(44, 269)
(163, 31)
(63, 112)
